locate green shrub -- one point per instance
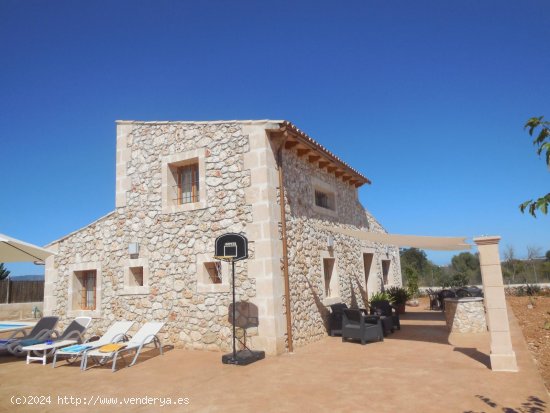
(379, 296)
(532, 289)
(398, 295)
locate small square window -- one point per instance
(136, 277)
(212, 276)
(324, 200)
(214, 271)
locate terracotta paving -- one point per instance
(417, 369)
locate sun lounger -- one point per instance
(72, 335)
(145, 336)
(115, 333)
(43, 330)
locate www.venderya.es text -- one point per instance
(96, 400)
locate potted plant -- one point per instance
(398, 297)
(379, 296)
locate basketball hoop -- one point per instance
(233, 247)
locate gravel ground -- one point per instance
(533, 314)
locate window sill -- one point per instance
(324, 211)
(192, 206)
(213, 288)
(84, 313)
(139, 290)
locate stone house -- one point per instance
(179, 185)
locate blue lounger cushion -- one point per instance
(77, 348)
(30, 342)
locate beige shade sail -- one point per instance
(14, 250)
(417, 241)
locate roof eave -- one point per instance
(321, 156)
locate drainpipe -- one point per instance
(285, 246)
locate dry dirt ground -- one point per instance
(533, 314)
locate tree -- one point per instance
(4, 273)
(548, 255)
(415, 259)
(465, 267)
(542, 142)
(532, 254)
(511, 265)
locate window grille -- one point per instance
(188, 183)
(321, 200)
(88, 292)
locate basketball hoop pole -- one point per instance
(233, 247)
(232, 261)
(234, 338)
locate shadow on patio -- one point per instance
(417, 369)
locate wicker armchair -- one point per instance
(434, 299)
(445, 294)
(335, 318)
(386, 309)
(357, 326)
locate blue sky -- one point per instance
(426, 98)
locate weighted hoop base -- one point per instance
(243, 357)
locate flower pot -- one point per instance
(400, 308)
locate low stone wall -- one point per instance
(20, 311)
(465, 315)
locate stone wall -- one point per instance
(171, 244)
(238, 193)
(465, 315)
(307, 246)
(21, 311)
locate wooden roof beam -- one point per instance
(338, 173)
(323, 164)
(290, 144)
(301, 152)
(314, 158)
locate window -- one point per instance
(367, 264)
(385, 270)
(324, 200)
(187, 178)
(214, 270)
(328, 270)
(212, 276)
(184, 181)
(324, 197)
(136, 277)
(84, 289)
(87, 281)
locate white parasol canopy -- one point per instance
(14, 250)
(417, 241)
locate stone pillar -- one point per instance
(123, 155)
(503, 357)
(263, 231)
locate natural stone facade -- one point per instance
(465, 315)
(308, 245)
(238, 192)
